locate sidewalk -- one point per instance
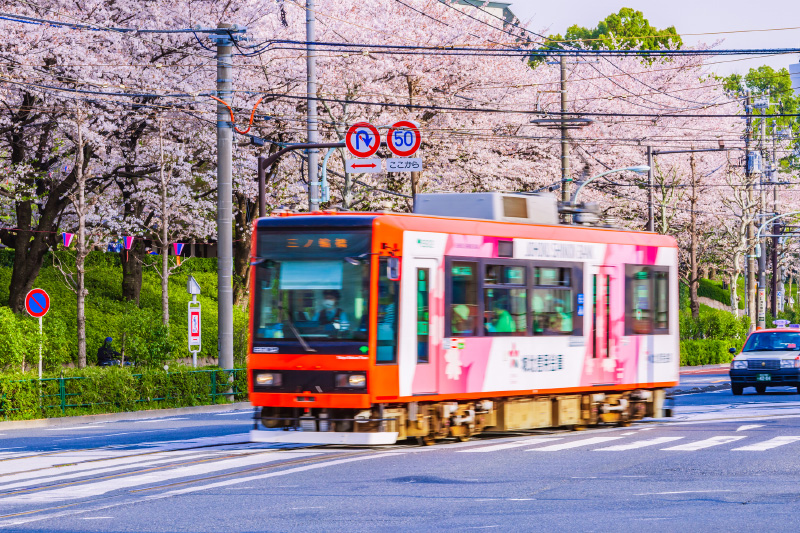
(692, 388)
(128, 415)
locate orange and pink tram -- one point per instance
(368, 328)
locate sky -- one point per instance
(688, 17)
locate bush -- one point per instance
(713, 324)
(707, 351)
(114, 389)
(713, 290)
(20, 341)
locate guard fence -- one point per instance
(110, 390)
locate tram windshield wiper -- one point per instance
(289, 321)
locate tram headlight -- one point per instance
(269, 379)
(739, 365)
(351, 380)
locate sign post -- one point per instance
(37, 303)
(193, 288)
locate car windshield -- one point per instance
(312, 285)
(773, 341)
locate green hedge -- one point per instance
(707, 351)
(713, 289)
(111, 390)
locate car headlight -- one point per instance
(269, 379)
(739, 365)
(351, 380)
(790, 363)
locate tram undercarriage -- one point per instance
(432, 421)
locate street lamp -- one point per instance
(639, 169)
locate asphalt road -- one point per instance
(722, 463)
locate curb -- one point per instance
(129, 415)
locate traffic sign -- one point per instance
(363, 139)
(37, 303)
(403, 138)
(404, 164)
(194, 326)
(370, 166)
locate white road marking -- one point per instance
(767, 444)
(94, 469)
(508, 445)
(682, 492)
(88, 490)
(295, 470)
(573, 444)
(706, 443)
(153, 420)
(750, 426)
(637, 444)
(72, 428)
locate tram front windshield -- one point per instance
(314, 285)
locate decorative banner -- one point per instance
(127, 242)
(177, 247)
(67, 239)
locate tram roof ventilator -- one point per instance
(542, 209)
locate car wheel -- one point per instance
(738, 389)
(761, 389)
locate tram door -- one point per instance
(603, 284)
(430, 309)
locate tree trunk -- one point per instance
(694, 280)
(241, 248)
(734, 295)
(132, 271)
(80, 260)
(164, 235)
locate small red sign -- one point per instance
(403, 138)
(362, 139)
(37, 303)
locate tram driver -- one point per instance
(331, 317)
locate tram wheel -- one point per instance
(463, 438)
(427, 440)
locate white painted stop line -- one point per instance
(507, 445)
(767, 444)
(574, 444)
(638, 444)
(706, 443)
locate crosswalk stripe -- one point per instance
(767, 444)
(706, 443)
(87, 490)
(573, 444)
(508, 445)
(637, 444)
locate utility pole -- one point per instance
(566, 181)
(262, 186)
(224, 41)
(650, 212)
(311, 119)
(751, 231)
(775, 226)
(762, 258)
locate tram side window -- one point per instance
(646, 300)
(423, 313)
(463, 298)
(552, 312)
(505, 300)
(388, 294)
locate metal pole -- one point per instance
(762, 259)
(650, 211)
(262, 187)
(224, 200)
(565, 179)
(40, 349)
(311, 89)
(775, 228)
(751, 230)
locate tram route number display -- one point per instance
(404, 164)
